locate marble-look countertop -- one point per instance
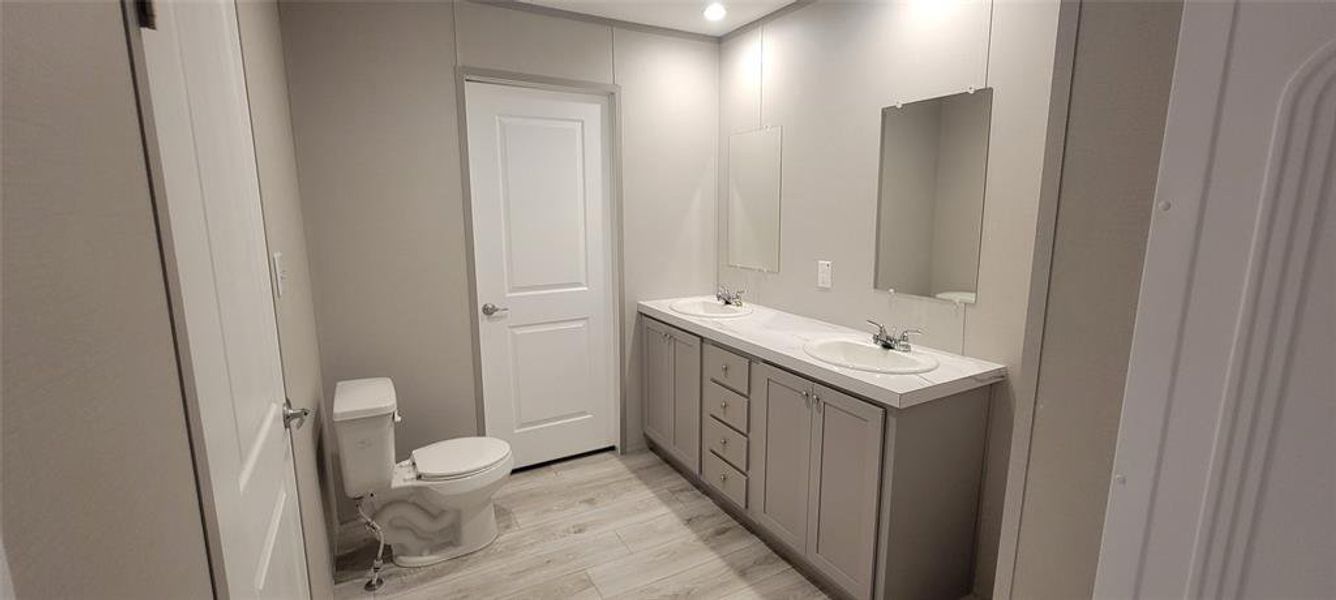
(778, 337)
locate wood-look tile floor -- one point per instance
(595, 527)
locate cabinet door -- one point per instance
(686, 398)
(657, 374)
(846, 480)
(781, 417)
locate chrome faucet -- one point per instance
(729, 297)
(891, 341)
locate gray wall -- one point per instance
(99, 488)
(1120, 91)
(828, 68)
(266, 86)
(373, 92)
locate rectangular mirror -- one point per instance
(753, 199)
(934, 155)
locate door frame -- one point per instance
(612, 92)
(176, 307)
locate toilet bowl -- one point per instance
(432, 507)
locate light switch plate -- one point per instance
(823, 274)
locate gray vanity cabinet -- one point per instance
(816, 456)
(846, 477)
(671, 377)
(781, 454)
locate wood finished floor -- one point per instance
(598, 527)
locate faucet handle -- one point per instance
(881, 329)
(904, 335)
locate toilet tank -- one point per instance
(364, 415)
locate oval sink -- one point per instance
(709, 308)
(866, 356)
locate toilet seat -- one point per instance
(459, 458)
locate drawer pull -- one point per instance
(723, 405)
(724, 368)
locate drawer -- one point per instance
(723, 477)
(728, 444)
(727, 368)
(726, 405)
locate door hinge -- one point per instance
(147, 14)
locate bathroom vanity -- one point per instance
(868, 477)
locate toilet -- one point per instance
(432, 507)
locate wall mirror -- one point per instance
(753, 199)
(934, 155)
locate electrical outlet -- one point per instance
(823, 274)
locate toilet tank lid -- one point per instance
(359, 398)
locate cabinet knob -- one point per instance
(724, 368)
(723, 405)
(723, 477)
(723, 441)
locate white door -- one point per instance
(542, 259)
(229, 334)
(1224, 484)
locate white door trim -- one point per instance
(1234, 450)
(612, 297)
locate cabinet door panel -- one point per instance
(686, 398)
(846, 478)
(658, 377)
(781, 419)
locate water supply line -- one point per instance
(374, 580)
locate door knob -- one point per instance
(490, 309)
(294, 415)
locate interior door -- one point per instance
(542, 256)
(1222, 484)
(229, 335)
(781, 416)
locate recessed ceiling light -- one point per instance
(715, 12)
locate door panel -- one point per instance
(551, 384)
(211, 187)
(538, 173)
(686, 399)
(659, 382)
(781, 447)
(846, 477)
(543, 195)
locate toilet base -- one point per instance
(475, 531)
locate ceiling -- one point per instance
(683, 15)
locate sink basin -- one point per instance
(866, 356)
(709, 308)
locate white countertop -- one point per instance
(778, 337)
